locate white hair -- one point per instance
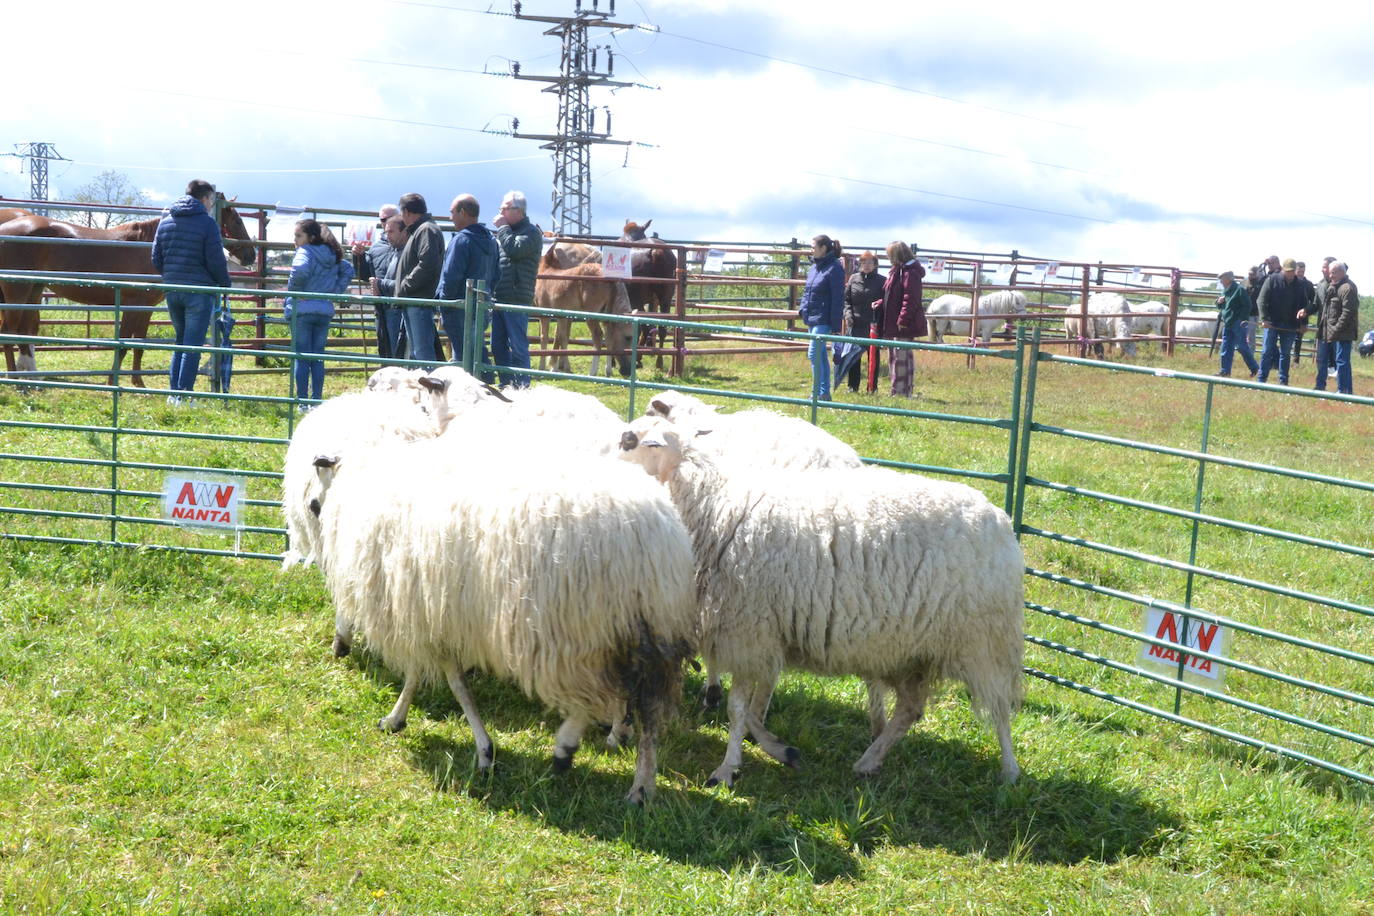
(516, 199)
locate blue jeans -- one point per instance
(818, 353)
(1233, 337)
(1337, 353)
(190, 313)
(420, 332)
(308, 335)
(1278, 348)
(393, 319)
(510, 346)
(452, 320)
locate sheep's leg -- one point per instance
(395, 720)
(485, 751)
(566, 741)
(768, 742)
(343, 635)
(877, 707)
(710, 696)
(1011, 770)
(728, 771)
(646, 767)
(620, 734)
(911, 703)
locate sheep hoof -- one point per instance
(792, 757)
(866, 769)
(726, 779)
(562, 759)
(341, 646)
(390, 726)
(485, 757)
(638, 796)
(710, 698)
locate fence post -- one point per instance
(1027, 424)
(679, 363)
(1192, 545)
(114, 423)
(1014, 433)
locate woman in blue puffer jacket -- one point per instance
(319, 267)
(822, 308)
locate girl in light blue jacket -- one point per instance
(319, 267)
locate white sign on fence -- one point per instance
(1052, 271)
(281, 227)
(1188, 633)
(615, 262)
(1003, 275)
(356, 231)
(715, 261)
(203, 502)
(1038, 273)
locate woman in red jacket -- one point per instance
(903, 313)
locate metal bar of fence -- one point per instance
(1146, 601)
(1236, 737)
(132, 545)
(135, 431)
(138, 465)
(128, 519)
(1178, 566)
(1248, 667)
(1180, 684)
(106, 491)
(1205, 457)
(1210, 519)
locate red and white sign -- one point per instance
(202, 502)
(1184, 633)
(615, 262)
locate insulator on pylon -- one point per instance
(612, 7)
(515, 68)
(591, 121)
(514, 126)
(593, 60)
(610, 62)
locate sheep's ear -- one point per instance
(662, 407)
(326, 461)
(628, 441)
(703, 432)
(430, 383)
(496, 393)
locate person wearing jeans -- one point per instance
(188, 250)
(190, 314)
(417, 273)
(1337, 327)
(319, 267)
(1282, 305)
(1234, 313)
(822, 308)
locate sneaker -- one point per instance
(173, 399)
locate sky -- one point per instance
(1202, 136)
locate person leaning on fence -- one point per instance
(1234, 314)
(522, 245)
(318, 267)
(472, 255)
(865, 290)
(417, 274)
(903, 314)
(1337, 328)
(822, 308)
(188, 250)
(373, 262)
(1282, 308)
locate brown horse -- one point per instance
(135, 305)
(581, 289)
(659, 262)
(9, 213)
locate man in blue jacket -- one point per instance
(472, 255)
(188, 250)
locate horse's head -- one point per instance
(231, 227)
(634, 232)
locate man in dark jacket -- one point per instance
(1233, 313)
(417, 273)
(188, 250)
(472, 255)
(864, 290)
(1337, 327)
(522, 245)
(372, 263)
(1282, 306)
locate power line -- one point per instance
(359, 168)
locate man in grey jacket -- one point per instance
(521, 246)
(417, 273)
(1337, 327)
(373, 263)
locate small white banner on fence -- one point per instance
(1003, 275)
(1038, 273)
(715, 261)
(281, 227)
(1189, 633)
(615, 262)
(355, 231)
(198, 501)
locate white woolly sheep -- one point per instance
(1149, 318)
(393, 378)
(570, 577)
(765, 435)
(1000, 303)
(896, 578)
(1109, 317)
(770, 438)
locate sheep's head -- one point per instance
(655, 445)
(675, 407)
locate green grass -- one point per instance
(180, 740)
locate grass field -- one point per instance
(180, 740)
